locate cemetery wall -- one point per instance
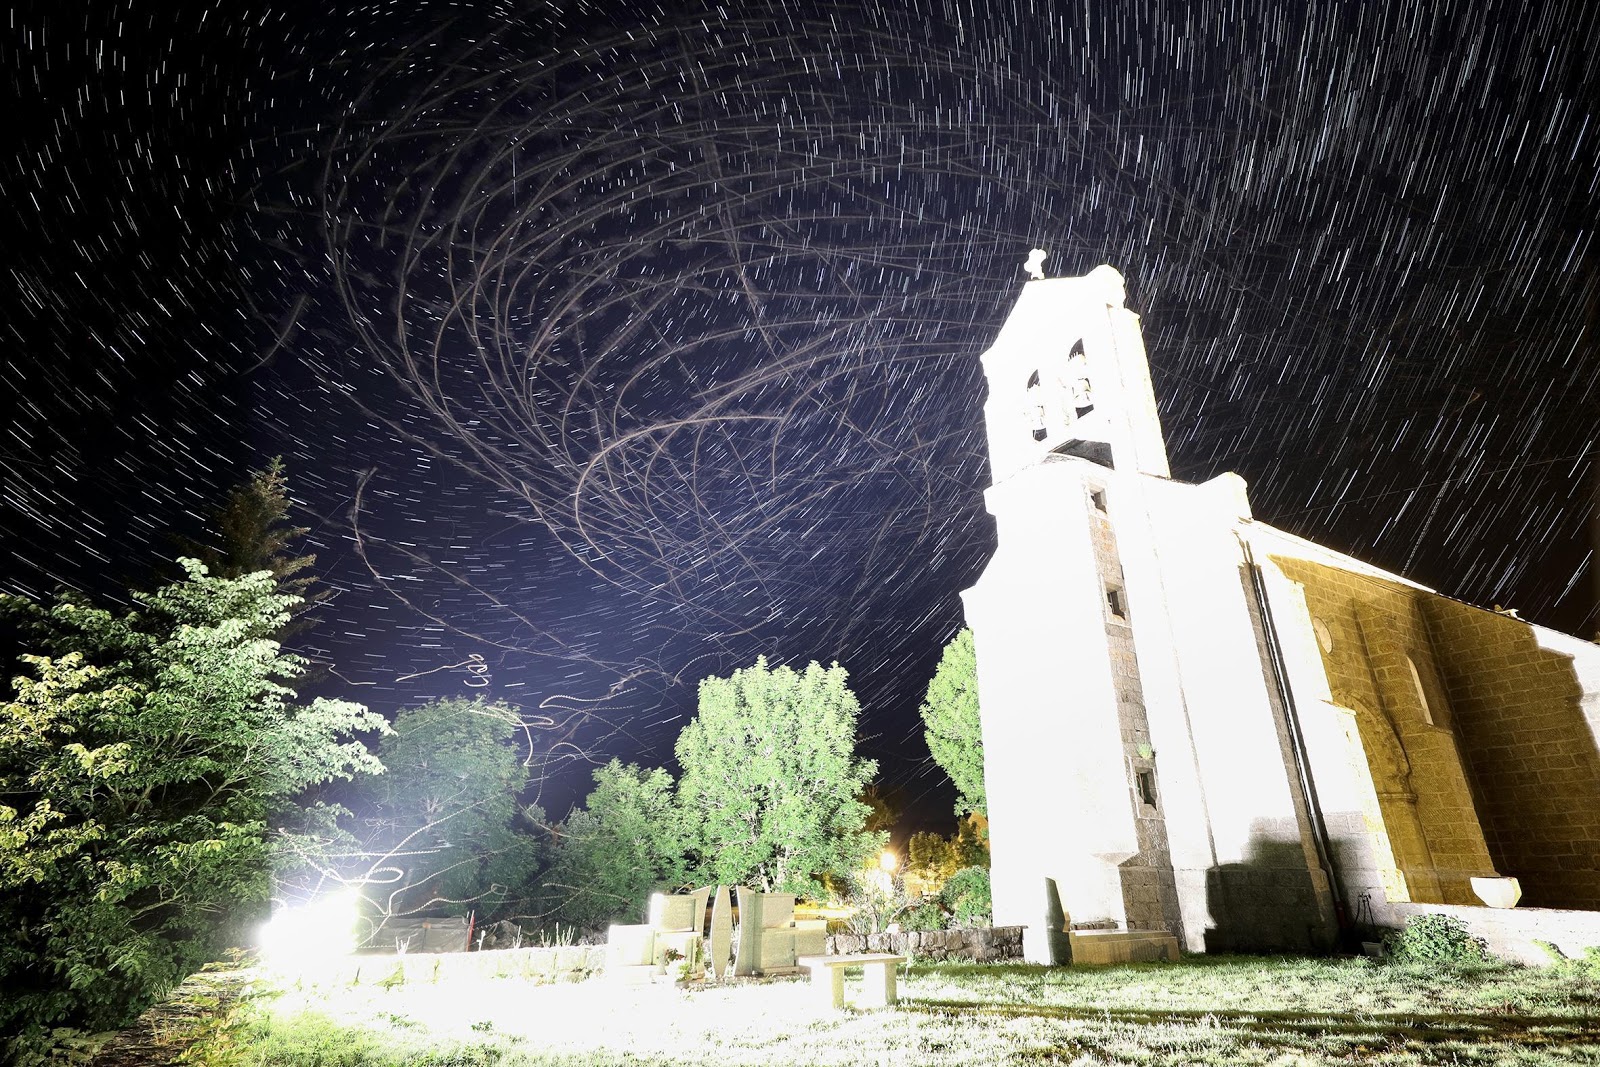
(982, 944)
(565, 963)
(1513, 933)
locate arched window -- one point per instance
(1035, 407)
(1078, 380)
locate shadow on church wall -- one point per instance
(1269, 901)
(1529, 748)
(1478, 745)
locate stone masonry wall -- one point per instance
(1383, 664)
(1513, 933)
(566, 963)
(1149, 889)
(573, 963)
(983, 944)
(1520, 711)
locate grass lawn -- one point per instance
(1238, 1010)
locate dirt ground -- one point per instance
(163, 1033)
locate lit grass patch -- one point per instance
(1222, 1011)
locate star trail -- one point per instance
(610, 347)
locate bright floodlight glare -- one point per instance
(321, 929)
(888, 861)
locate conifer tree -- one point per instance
(253, 533)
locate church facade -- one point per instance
(1197, 724)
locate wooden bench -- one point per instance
(827, 973)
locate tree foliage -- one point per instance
(444, 827)
(968, 897)
(770, 779)
(627, 840)
(932, 859)
(142, 756)
(884, 807)
(954, 733)
(253, 533)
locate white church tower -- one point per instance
(1087, 397)
(1112, 700)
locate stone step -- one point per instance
(1121, 946)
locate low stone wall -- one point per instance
(574, 963)
(982, 944)
(1511, 932)
(567, 963)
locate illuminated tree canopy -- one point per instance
(770, 779)
(142, 756)
(954, 730)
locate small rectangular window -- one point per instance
(1147, 787)
(1116, 602)
(1097, 497)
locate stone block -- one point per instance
(1122, 946)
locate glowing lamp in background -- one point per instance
(888, 861)
(318, 930)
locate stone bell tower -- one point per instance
(1075, 800)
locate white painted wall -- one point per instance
(1059, 797)
(1060, 801)
(1059, 805)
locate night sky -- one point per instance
(609, 346)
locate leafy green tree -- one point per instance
(253, 533)
(967, 894)
(932, 859)
(972, 840)
(626, 841)
(770, 779)
(445, 827)
(954, 733)
(884, 807)
(143, 756)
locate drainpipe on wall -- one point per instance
(1297, 743)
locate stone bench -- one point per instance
(827, 974)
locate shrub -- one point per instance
(1587, 965)
(1436, 939)
(873, 906)
(927, 915)
(966, 894)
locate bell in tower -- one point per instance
(1067, 376)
